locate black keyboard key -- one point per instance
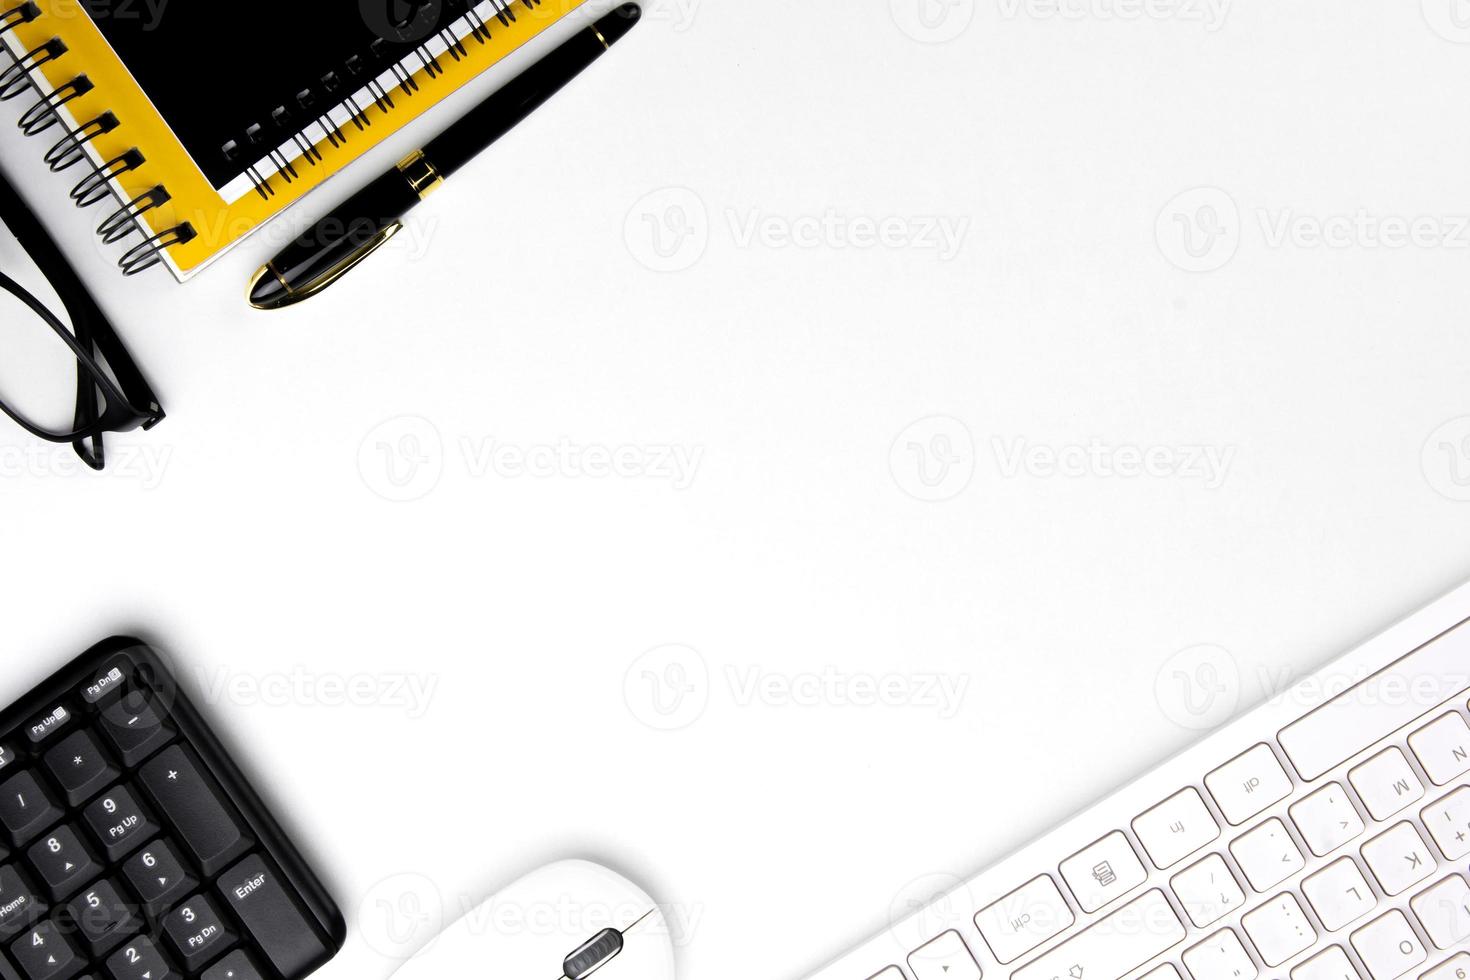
(80, 766)
(43, 728)
(118, 822)
(45, 954)
(103, 917)
(19, 906)
(6, 756)
(158, 876)
(106, 681)
(236, 966)
(267, 907)
(63, 862)
(135, 727)
(198, 932)
(140, 960)
(192, 801)
(25, 809)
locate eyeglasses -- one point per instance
(64, 383)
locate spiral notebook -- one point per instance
(191, 123)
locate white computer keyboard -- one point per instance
(1322, 836)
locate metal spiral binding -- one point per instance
(17, 78)
(95, 186)
(42, 114)
(149, 252)
(122, 222)
(20, 14)
(71, 149)
(67, 151)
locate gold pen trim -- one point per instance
(594, 30)
(420, 173)
(292, 296)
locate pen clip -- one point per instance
(296, 294)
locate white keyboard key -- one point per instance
(1176, 828)
(1024, 919)
(1103, 871)
(1267, 855)
(1249, 783)
(1339, 894)
(1330, 964)
(1443, 748)
(944, 957)
(1221, 957)
(1389, 947)
(1375, 707)
(1208, 890)
(1117, 945)
(1279, 929)
(1398, 858)
(888, 973)
(1457, 967)
(1164, 971)
(1444, 911)
(1327, 819)
(1449, 823)
(1386, 784)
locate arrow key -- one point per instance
(944, 958)
(63, 862)
(140, 960)
(44, 954)
(158, 876)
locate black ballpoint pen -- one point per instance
(363, 222)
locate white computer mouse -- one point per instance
(567, 921)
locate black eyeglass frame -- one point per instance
(102, 405)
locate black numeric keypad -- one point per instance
(131, 847)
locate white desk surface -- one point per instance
(525, 312)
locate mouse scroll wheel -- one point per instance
(592, 955)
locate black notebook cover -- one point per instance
(248, 76)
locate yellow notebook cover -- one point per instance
(193, 197)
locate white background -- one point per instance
(252, 536)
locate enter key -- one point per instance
(268, 908)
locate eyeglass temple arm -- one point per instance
(92, 328)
